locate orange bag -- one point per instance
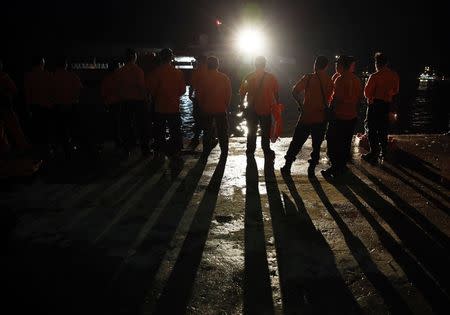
(276, 127)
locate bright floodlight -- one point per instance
(251, 42)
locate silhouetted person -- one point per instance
(111, 99)
(261, 89)
(214, 99)
(38, 84)
(317, 88)
(379, 91)
(344, 102)
(66, 87)
(198, 77)
(8, 90)
(166, 86)
(132, 93)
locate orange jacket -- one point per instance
(346, 96)
(382, 85)
(260, 98)
(109, 89)
(198, 76)
(7, 86)
(166, 85)
(214, 92)
(66, 87)
(38, 84)
(131, 83)
(316, 97)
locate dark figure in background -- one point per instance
(317, 88)
(111, 99)
(38, 84)
(166, 85)
(214, 99)
(346, 97)
(8, 90)
(66, 87)
(261, 89)
(198, 77)
(132, 93)
(379, 91)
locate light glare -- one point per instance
(251, 42)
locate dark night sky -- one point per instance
(410, 34)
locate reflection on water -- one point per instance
(428, 111)
(237, 123)
(422, 109)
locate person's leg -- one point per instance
(117, 122)
(207, 125)
(176, 138)
(252, 126)
(332, 140)
(372, 133)
(142, 126)
(127, 124)
(299, 138)
(317, 136)
(222, 132)
(265, 122)
(349, 132)
(198, 123)
(383, 128)
(159, 132)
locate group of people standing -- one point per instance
(330, 111)
(147, 104)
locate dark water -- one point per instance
(421, 107)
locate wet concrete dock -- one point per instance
(232, 237)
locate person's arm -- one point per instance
(298, 88)
(243, 90)
(329, 92)
(369, 89)
(11, 86)
(396, 89)
(275, 90)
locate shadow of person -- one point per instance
(391, 297)
(177, 292)
(414, 270)
(257, 287)
(309, 278)
(405, 179)
(137, 273)
(409, 211)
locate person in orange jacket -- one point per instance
(8, 90)
(214, 99)
(317, 88)
(38, 98)
(379, 91)
(133, 94)
(110, 95)
(166, 85)
(261, 89)
(198, 77)
(345, 99)
(66, 87)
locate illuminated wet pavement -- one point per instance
(235, 237)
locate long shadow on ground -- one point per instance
(309, 278)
